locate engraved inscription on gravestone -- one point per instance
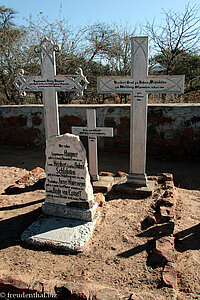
(69, 192)
(67, 175)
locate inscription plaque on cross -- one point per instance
(49, 84)
(139, 85)
(93, 132)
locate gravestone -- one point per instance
(49, 84)
(139, 85)
(69, 192)
(93, 132)
(70, 210)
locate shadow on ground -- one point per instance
(186, 172)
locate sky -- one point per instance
(82, 12)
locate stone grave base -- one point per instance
(64, 211)
(128, 189)
(69, 235)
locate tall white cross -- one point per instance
(139, 85)
(92, 132)
(49, 84)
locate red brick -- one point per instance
(4, 121)
(32, 138)
(166, 213)
(165, 248)
(121, 174)
(36, 120)
(111, 149)
(158, 142)
(18, 129)
(22, 120)
(9, 283)
(119, 130)
(165, 177)
(24, 179)
(186, 145)
(106, 174)
(165, 120)
(75, 120)
(69, 129)
(186, 132)
(119, 140)
(125, 121)
(173, 142)
(170, 277)
(128, 131)
(24, 138)
(150, 121)
(15, 138)
(109, 122)
(63, 120)
(37, 171)
(13, 120)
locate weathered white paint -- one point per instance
(139, 84)
(92, 132)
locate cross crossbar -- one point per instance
(93, 132)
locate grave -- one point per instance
(139, 85)
(93, 132)
(49, 84)
(70, 210)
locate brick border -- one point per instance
(162, 251)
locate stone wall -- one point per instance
(173, 129)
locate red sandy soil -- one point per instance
(116, 256)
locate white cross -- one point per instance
(92, 132)
(49, 83)
(139, 85)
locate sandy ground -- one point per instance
(116, 255)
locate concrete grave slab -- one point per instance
(69, 235)
(128, 189)
(104, 184)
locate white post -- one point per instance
(138, 118)
(92, 132)
(92, 144)
(50, 98)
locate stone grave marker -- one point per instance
(49, 84)
(93, 132)
(139, 85)
(69, 208)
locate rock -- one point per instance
(107, 294)
(162, 177)
(32, 178)
(99, 198)
(165, 248)
(106, 174)
(10, 283)
(72, 291)
(166, 213)
(169, 277)
(120, 174)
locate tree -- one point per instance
(10, 54)
(179, 33)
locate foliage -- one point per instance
(99, 49)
